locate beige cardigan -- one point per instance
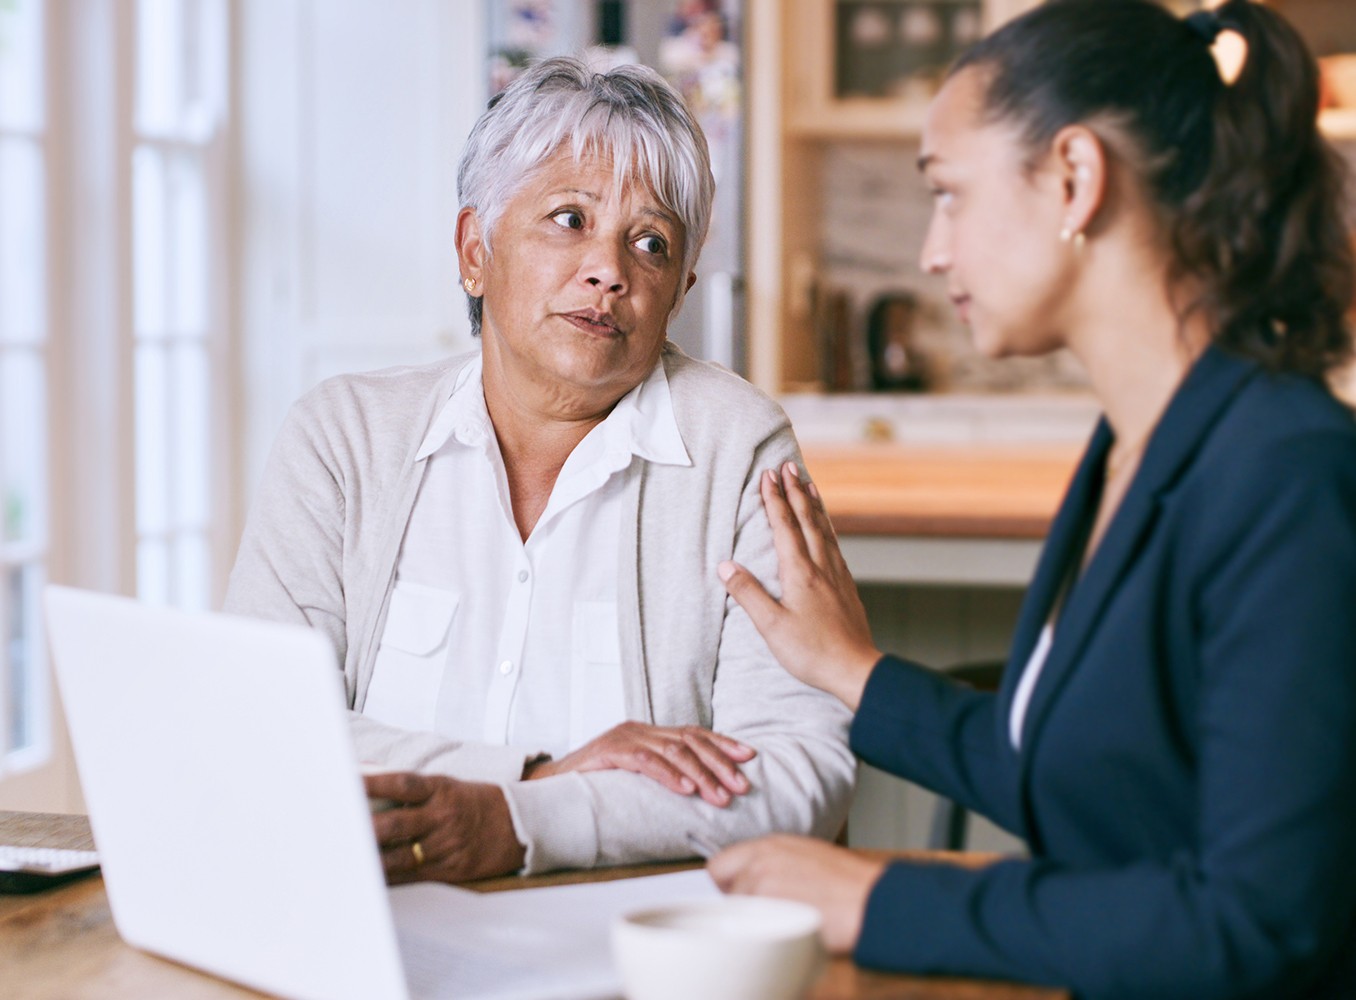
(321, 545)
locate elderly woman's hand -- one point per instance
(818, 630)
(442, 829)
(832, 879)
(684, 759)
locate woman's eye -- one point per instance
(568, 218)
(652, 244)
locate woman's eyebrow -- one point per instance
(661, 214)
(581, 192)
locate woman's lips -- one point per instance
(962, 304)
(599, 324)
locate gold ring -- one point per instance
(417, 849)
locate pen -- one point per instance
(704, 846)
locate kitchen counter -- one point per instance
(963, 514)
(954, 491)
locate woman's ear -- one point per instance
(1080, 161)
(471, 251)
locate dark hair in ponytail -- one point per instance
(1251, 194)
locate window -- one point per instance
(179, 113)
(111, 419)
(24, 436)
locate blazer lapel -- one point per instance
(1200, 400)
(1060, 549)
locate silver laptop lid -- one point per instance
(224, 795)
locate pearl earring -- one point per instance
(469, 284)
(1078, 238)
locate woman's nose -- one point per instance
(603, 268)
(934, 258)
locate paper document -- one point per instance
(525, 944)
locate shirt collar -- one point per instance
(641, 424)
(463, 416)
(644, 423)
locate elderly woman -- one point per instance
(514, 551)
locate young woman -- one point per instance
(1176, 735)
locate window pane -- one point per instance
(153, 575)
(188, 206)
(23, 245)
(27, 690)
(150, 241)
(190, 396)
(21, 64)
(160, 64)
(153, 447)
(23, 446)
(180, 67)
(192, 566)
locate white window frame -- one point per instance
(90, 74)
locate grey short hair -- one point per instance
(630, 113)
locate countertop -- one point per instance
(995, 491)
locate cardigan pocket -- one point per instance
(412, 656)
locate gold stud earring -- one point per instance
(469, 284)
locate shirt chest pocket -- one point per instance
(412, 657)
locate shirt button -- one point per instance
(522, 576)
(506, 667)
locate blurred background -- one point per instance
(206, 206)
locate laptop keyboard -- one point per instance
(45, 860)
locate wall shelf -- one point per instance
(795, 121)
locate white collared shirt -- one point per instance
(493, 640)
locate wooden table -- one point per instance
(969, 515)
(62, 944)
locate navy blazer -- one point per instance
(1187, 775)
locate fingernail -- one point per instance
(791, 468)
(725, 570)
(687, 785)
(741, 782)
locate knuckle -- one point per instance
(643, 757)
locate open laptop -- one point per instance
(234, 831)
(224, 795)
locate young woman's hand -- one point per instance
(832, 879)
(818, 630)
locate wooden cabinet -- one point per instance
(827, 99)
(799, 109)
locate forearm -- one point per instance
(1166, 931)
(915, 723)
(429, 753)
(616, 817)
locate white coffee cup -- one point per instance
(732, 948)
